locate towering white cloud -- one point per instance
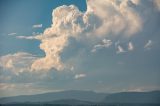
(116, 16)
(55, 38)
(103, 18)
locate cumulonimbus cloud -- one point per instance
(103, 18)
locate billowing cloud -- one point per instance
(72, 37)
(18, 62)
(157, 4)
(148, 45)
(118, 17)
(78, 76)
(37, 26)
(103, 19)
(130, 46)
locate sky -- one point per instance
(99, 45)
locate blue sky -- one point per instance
(19, 17)
(59, 45)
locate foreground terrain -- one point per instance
(84, 98)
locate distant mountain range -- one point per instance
(133, 97)
(52, 96)
(75, 97)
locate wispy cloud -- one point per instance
(12, 33)
(72, 68)
(26, 37)
(120, 49)
(130, 46)
(78, 76)
(37, 26)
(104, 44)
(148, 45)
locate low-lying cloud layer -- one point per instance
(18, 62)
